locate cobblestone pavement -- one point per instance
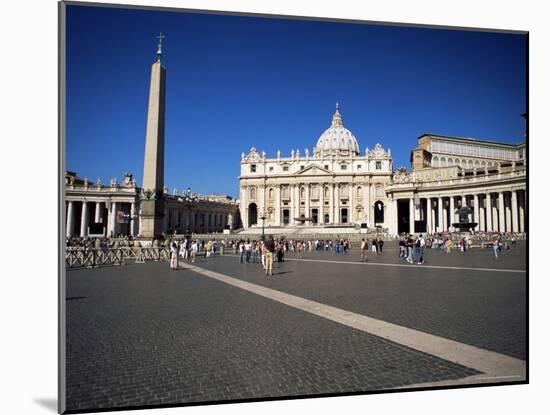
(145, 335)
(480, 308)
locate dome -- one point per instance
(337, 139)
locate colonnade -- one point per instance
(94, 214)
(492, 211)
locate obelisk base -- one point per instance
(152, 218)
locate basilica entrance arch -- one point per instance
(252, 214)
(378, 212)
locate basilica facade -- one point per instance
(335, 186)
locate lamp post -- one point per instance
(189, 199)
(263, 218)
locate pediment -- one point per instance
(314, 170)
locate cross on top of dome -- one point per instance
(337, 118)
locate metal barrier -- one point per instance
(96, 257)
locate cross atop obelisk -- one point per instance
(152, 210)
(159, 50)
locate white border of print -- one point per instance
(29, 207)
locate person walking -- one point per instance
(363, 250)
(241, 251)
(375, 247)
(263, 251)
(496, 246)
(270, 247)
(448, 245)
(194, 250)
(410, 244)
(380, 245)
(420, 245)
(174, 255)
(247, 250)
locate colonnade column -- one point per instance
(515, 211)
(411, 215)
(476, 211)
(488, 213)
(111, 221)
(429, 215)
(440, 214)
(522, 212)
(70, 220)
(445, 225)
(133, 219)
(452, 211)
(297, 204)
(501, 227)
(97, 215)
(508, 214)
(84, 219)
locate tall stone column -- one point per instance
(501, 218)
(351, 209)
(482, 224)
(321, 188)
(337, 203)
(476, 210)
(429, 225)
(445, 213)
(452, 211)
(84, 220)
(133, 219)
(308, 213)
(488, 213)
(440, 214)
(111, 221)
(98, 210)
(411, 215)
(297, 203)
(508, 212)
(331, 203)
(278, 212)
(463, 201)
(522, 212)
(70, 219)
(152, 206)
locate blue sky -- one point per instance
(235, 82)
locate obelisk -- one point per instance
(152, 190)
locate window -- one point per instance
(302, 193)
(301, 167)
(326, 191)
(271, 193)
(378, 165)
(270, 168)
(252, 193)
(359, 167)
(285, 168)
(252, 168)
(326, 166)
(344, 167)
(359, 191)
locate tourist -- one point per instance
(174, 255)
(194, 250)
(420, 244)
(241, 251)
(363, 250)
(410, 244)
(270, 246)
(247, 250)
(263, 251)
(375, 247)
(448, 245)
(280, 252)
(380, 245)
(255, 249)
(496, 247)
